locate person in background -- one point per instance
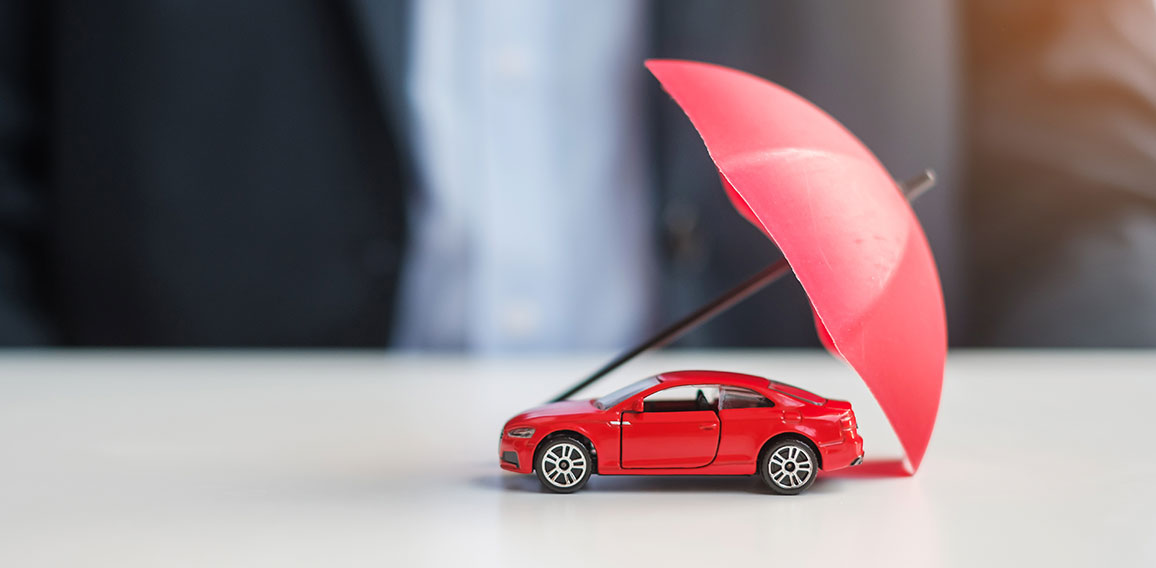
(532, 213)
(552, 205)
(1062, 172)
(488, 176)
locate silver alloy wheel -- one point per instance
(564, 464)
(791, 467)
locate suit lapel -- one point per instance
(382, 28)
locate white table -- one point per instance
(356, 459)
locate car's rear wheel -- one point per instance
(563, 465)
(789, 466)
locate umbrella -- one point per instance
(843, 226)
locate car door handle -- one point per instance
(708, 427)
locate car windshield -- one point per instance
(796, 392)
(624, 393)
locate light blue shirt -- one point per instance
(532, 219)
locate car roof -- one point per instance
(712, 377)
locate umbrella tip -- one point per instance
(915, 186)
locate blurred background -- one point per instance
(498, 176)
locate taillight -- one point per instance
(848, 422)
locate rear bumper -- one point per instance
(844, 453)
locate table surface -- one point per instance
(351, 459)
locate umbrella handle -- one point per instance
(912, 188)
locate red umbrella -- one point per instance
(845, 229)
(843, 226)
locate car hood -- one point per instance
(563, 408)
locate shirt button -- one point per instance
(520, 320)
(513, 63)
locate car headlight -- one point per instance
(520, 432)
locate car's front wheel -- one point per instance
(788, 467)
(563, 465)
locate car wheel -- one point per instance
(788, 467)
(563, 465)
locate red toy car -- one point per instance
(686, 423)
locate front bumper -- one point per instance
(517, 454)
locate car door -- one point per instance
(678, 427)
(748, 420)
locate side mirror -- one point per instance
(639, 406)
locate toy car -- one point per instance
(686, 423)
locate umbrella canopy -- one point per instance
(848, 233)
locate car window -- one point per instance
(798, 393)
(625, 392)
(736, 397)
(682, 398)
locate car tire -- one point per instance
(788, 466)
(563, 465)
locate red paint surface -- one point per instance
(699, 442)
(648, 440)
(839, 219)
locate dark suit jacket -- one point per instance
(196, 173)
(233, 173)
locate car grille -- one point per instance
(510, 457)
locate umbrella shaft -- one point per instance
(675, 330)
(911, 188)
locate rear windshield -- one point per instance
(625, 393)
(796, 392)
